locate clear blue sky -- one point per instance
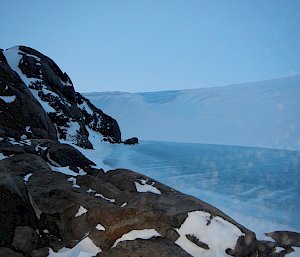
(148, 45)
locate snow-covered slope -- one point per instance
(261, 114)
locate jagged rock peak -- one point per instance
(32, 79)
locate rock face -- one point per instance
(52, 196)
(33, 81)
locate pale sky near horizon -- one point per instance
(151, 45)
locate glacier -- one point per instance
(260, 114)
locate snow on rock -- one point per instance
(215, 233)
(72, 130)
(14, 57)
(64, 170)
(2, 156)
(85, 107)
(105, 198)
(296, 252)
(143, 187)
(81, 211)
(85, 248)
(74, 181)
(26, 178)
(21, 142)
(137, 234)
(8, 99)
(123, 205)
(100, 227)
(68, 110)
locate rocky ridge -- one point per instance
(54, 199)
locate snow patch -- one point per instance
(81, 211)
(8, 99)
(124, 204)
(26, 178)
(143, 187)
(137, 234)
(85, 248)
(105, 198)
(64, 170)
(73, 128)
(73, 180)
(100, 227)
(2, 156)
(296, 252)
(215, 232)
(84, 106)
(20, 142)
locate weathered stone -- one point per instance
(67, 155)
(156, 247)
(285, 238)
(196, 241)
(7, 252)
(25, 239)
(15, 207)
(13, 150)
(42, 252)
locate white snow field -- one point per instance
(259, 114)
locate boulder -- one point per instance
(285, 238)
(131, 141)
(156, 247)
(7, 252)
(25, 239)
(67, 155)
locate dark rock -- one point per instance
(131, 141)
(67, 155)
(156, 247)
(42, 252)
(245, 246)
(196, 241)
(285, 238)
(24, 110)
(15, 206)
(25, 239)
(13, 150)
(265, 248)
(7, 252)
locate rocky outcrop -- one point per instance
(52, 196)
(15, 99)
(65, 208)
(54, 110)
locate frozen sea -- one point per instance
(258, 187)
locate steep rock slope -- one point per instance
(69, 112)
(260, 114)
(54, 202)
